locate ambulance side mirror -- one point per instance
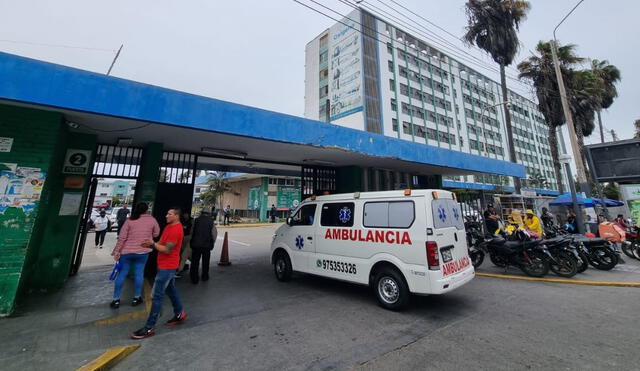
(289, 221)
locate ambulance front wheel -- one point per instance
(282, 266)
(390, 289)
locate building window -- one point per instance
(388, 214)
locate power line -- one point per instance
(57, 45)
(387, 36)
(439, 27)
(478, 62)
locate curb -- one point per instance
(109, 358)
(130, 316)
(560, 280)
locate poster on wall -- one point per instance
(6, 144)
(288, 197)
(70, 203)
(253, 201)
(634, 209)
(20, 187)
(345, 69)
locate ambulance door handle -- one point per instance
(309, 238)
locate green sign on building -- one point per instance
(253, 201)
(288, 197)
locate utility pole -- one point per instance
(114, 59)
(582, 174)
(614, 135)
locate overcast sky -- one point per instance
(252, 52)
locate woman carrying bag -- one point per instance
(129, 251)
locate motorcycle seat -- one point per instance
(591, 241)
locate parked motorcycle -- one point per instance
(631, 247)
(529, 255)
(600, 251)
(474, 240)
(566, 261)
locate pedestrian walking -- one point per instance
(185, 254)
(130, 253)
(274, 213)
(203, 238)
(101, 224)
(121, 216)
(227, 215)
(168, 261)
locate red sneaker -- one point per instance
(176, 319)
(143, 333)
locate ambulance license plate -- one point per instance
(446, 254)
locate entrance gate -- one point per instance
(110, 162)
(318, 181)
(175, 186)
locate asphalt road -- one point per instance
(244, 319)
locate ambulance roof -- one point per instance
(381, 194)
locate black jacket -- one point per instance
(204, 233)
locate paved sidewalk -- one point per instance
(627, 272)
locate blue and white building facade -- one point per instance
(395, 84)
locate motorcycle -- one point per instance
(631, 247)
(600, 252)
(474, 238)
(566, 261)
(521, 251)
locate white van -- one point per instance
(397, 242)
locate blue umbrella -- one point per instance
(609, 202)
(566, 200)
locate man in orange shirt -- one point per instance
(168, 261)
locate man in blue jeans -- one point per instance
(168, 261)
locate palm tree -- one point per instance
(492, 26)
(584, 91)
(610, 75)
(537, 180)
(539, 69)
(218, 185)
(637, 125)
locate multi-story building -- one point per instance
(114, 190)
(252, 195)
(367, 74)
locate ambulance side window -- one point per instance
(304, 216)
(338, 214)
(398, 214)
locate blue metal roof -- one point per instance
(42, 83)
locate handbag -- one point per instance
(115, 271)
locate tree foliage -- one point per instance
(217, 185)
(492, 25)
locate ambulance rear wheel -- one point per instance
(390, 289)
(282, 266)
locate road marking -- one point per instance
(236, 242)
(560, 280)
(130, 316)
(109, 358)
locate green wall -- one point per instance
(37, 244)
(55, 235)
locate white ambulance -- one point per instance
(397, 242)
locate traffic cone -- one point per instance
(224, 256)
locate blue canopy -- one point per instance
(609, 202)
(565, 200)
